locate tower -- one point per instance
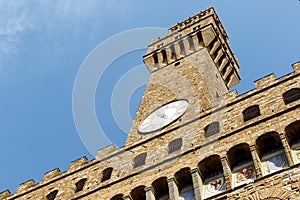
(192, 138)
(192, 62)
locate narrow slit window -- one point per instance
(106, 174)
(80, 184)
(52, 195)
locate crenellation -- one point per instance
(4, 194)
(265, 81)
(104, 152)
(50, 175)
(24, 186)
(77, 163)
(296, 66)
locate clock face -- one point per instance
(163, 116)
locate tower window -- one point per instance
(291, 95)
(251, 112)
(80, 184)
(139, 160)
(172, 49)
(155, 60)
(212, 129)
(164, 55)
(52, 195)
(175, 145)
(106, 174)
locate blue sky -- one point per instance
(44, 43)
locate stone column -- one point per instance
(195, 40)
(186, 46)
(177, 50)
(173, 189)
(287, 149)
(169, 55)
(256, 161)
(150, 195)
(197, 183)
(160, 59)
(227, 173)
(127, 197)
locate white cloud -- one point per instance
(50, 17)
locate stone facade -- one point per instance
(228, 146)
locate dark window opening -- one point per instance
(106, 174)
(291, 95)
(212, 129)
(175, 145)
(52, 195)
(251, 112)
(155, 60)
(172, 49)
(164, 55)
(80, 184)
(200, 38)
(139, 160)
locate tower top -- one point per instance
(203, 30)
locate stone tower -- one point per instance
(191, 138)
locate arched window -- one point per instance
(271, 152)
(212, 129)
(251, 112)
(52, 195)
(139, 160)
(161, 188)
(291, 95)
(106, 174)
(117, 197)
(175, 145)
(138, 193)
(185, 183)
(164, 56)
(80, 184)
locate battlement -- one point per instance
(110, 157)
(203, 30)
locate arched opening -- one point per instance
(106, 174)
(173, 52)
(138, 193)
(52, 195)
(211, 171)
(161, 189)
(185, 183)
(251, 112)
(117, 197)
(291, 95)
(292, 132)
(271, 152)
(241, 164)
(164, 56)
(80, 184)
